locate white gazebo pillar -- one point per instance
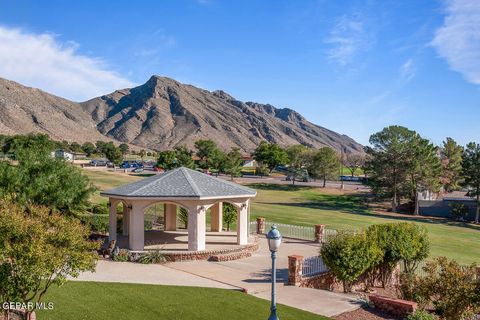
(242, 223)
(196, 228)
(136, 230)
(217, 217)
(170, 216)
(112, 221)
(125, 219)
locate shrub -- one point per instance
(96, 222)
(399, 242)
(451, 288)
(120, 255)
(421, 315)
(153, 257)
(459, 210)
(99, 208)
(348, 256)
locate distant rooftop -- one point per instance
(181, 183)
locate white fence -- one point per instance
(294, 231)
(312, 266)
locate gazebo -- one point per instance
(195, 191)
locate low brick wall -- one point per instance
(397, 307)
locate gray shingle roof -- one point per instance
(181, 183)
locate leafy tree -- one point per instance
(39, 249)
(209, 154)
(354, 161)
(471, 173)
(167, 160)
(101, 147)
(142, 154)
(88, 148)
(390, 159)
(113, 154)
(348, 256)
(459, 211)
(451, 157)
(40, 179)
(75, 147)
(184, 157)
(270, 155)
(40, 142)
(233, 163)
(123, 148)
(229, 214)
(298, 157)
(424, 169)
(324, 164)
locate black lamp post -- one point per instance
(274, 240)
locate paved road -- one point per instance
(253, 274)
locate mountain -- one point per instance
(163, 113)
(25, 110)
(159, 115)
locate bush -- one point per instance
(153, 257)
(459, 211)
(400, 242)
(120, 255)
(348, 256)
(421, 315)
(452, 289)
(99, 208)
(96, 222)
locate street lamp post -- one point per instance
(274, 240)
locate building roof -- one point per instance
(181, 183)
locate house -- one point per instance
(67, 155)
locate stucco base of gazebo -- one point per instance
(174, 245)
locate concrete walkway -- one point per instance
(253, 274)
(127, 272)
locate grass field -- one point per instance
(307, 206)
(119, 301)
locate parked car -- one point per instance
(302, 178)
(138, 170)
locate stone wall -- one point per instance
(397, 307)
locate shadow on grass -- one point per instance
(278, 187)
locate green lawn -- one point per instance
(307, 206)
(119, 301)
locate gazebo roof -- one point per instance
(181, 183)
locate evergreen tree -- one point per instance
(471, 173)
(451, 156)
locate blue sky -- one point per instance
(351, 66)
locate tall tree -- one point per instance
(424, 169)
(209, 154)
(75, 147)
(298, 159)
(451, 156)
(471, 173)
(167, 160)
(389, 159)
(113, 154)
(270, 155)
(184, 157)
(354, 161)
(88, 148)
(142, 154)
(233, 162)
(324, 164)
(123, 148)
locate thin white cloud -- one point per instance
(407, 70)
(458, 39)
(40, 60)
(347, 38)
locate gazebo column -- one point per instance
(125, 219)
(136, 238)
(170, 215)
(242, 224)
(196, 228)
(112, 223)
(217, 217)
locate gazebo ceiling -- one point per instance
(181, 183)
